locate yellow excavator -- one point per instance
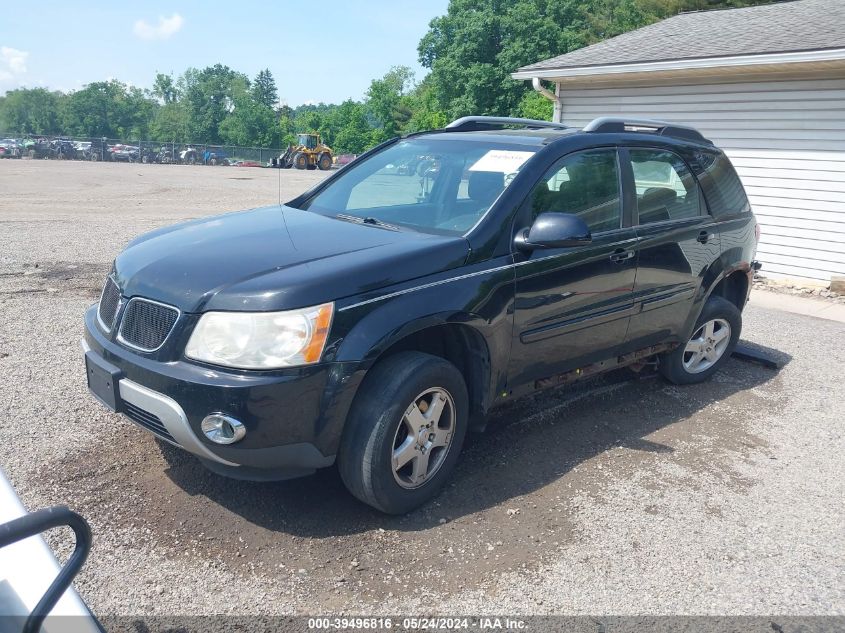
(308, 153)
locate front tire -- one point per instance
(712, 342)
(405, 432)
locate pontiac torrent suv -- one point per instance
(374, 319)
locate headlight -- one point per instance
(261, 340)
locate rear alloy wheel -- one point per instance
(707, 346)
(404, 432)
(712, 342)
(325, 162)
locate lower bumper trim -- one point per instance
(171, 415)
(166, 419)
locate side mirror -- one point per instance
(554, 230)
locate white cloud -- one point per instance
(12, 62)
(161, 31)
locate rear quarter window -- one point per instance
(722, 187)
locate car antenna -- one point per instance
(284, 214)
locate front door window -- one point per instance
(584, 184)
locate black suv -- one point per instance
(376, 318)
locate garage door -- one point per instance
(787, 141)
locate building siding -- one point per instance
(787, 142)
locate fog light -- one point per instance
(222, 429)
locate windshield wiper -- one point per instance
(368, 220)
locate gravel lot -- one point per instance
(616, 497)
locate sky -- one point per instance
(325, 50)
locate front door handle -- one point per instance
(620, 255)
(703, 237)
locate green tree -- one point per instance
(535, 106)
(209, 96)
(287, 127)
(251, 124)
(170, 124)
(165, 88)
(31, 110)
(264, 89)
(472, 50)
(388, 100)
(425, 109)
(110, 109)
(354, 134)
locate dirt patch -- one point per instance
(59, 278)
(508, 509)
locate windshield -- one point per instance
(428, 184)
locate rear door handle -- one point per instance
(620, 255)
(703, 237)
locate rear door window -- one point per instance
(666, 189)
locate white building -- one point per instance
(766, 84)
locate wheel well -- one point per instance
(734, 288)
(462, 346)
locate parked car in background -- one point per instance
(164, 155)
(37, 147)
(124, 153)
(214, 156)
(83, 149)
(147, 155)
(189, 155)
(344, 159)
(62, 149)
(93, 150)
(11, 148)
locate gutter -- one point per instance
(537, 84)
(831, 54)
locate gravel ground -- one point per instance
(614, 497)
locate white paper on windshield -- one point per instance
(501, 160)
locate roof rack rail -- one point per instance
(475, 123)
(662, 128)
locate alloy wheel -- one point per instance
(707, 346)
(423, 438)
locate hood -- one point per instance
(276, 258)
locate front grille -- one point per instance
(146, 324)
(109, 303)
(147, 420)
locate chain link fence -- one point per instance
(131, 151)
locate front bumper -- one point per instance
(294, 418)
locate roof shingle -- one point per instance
(775, 28)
